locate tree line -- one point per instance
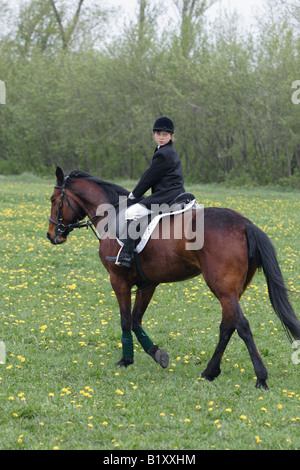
(82, 95)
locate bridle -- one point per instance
(61, 229)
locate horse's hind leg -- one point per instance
(227, 272)
(233, 318)
(244, 331)
(142, 300)
(213, 368)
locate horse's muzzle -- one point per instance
(57, 239)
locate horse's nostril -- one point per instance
(48, 236)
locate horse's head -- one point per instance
(65, 211)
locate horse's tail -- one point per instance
(261, 250)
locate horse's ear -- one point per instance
(59, 176)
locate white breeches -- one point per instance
(136, 211)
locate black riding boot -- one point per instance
(126, 256)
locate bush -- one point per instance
(292, 182)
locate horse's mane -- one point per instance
(112, 190)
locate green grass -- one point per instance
(59, 319)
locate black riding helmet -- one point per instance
(164, 124)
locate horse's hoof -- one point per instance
(207, 376)
(124, 362)
(261, 383)
(162, 358)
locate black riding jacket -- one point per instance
(164, 177)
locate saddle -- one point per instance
(183, 199)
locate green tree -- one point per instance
(191, 16)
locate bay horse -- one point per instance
(234, 248)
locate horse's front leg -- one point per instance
(142, 300)
(123, 294)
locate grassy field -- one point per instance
(59, 319)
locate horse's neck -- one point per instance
(91, 197)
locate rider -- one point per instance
(164, 177)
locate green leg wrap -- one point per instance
(143, 338)
(127, 344)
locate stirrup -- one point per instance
(122, 259)
(127, 262)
